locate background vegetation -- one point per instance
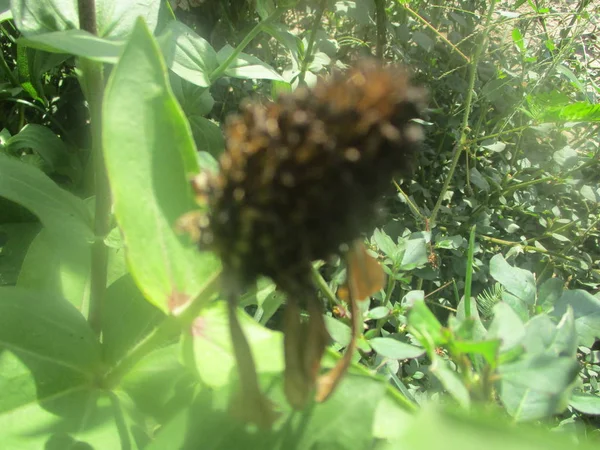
(104, 117)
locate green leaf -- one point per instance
(247, 66)
(391, 348)
(213, 351)
(58, 266)
(566, 157)
(44, 16)
(114, 18)
(320, 426)
(425, 326)
(550, 291)
(493, 145)
(386, 244)
(15, 239)
(160, 385)
(42, 141)
(58, 210)
(149, 155)
(478, 429)
(207, 135)
(537, 386)
(415, 254)
(47, 332)
(194, 59)
(506, 326)
(126, 319)
(519, 284)
(586, 310)
(378, 313)
(55, 408)
(542, 335)
(488, 349)
(78, 43)
(450, 380)
(517, 38)
(586, 403)
(339, 331)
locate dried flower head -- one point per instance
(301, 177)
(304, 175)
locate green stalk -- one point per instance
(7, 70)
(469, 274)
(462, 142)
(311, 41)
(219, 71)
(93, 86)
(169, 328)
(380, 23)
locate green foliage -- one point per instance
(112, 332)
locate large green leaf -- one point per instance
(42, 141)
(213, 350)
(47, 330)
(115, 18)
(149, 155)
(246, 66)
(456, 430)
(58, 210)
(194, 58)
(15, 239)
(127, 318)
(343, 422)
(55, 266)
(78, 43)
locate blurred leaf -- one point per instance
(493, 145)
(586, 310)
(78, 43)
(506, 326)
(213, 351)
(586, 403)
(549, 292)
(425, 326)
(15, 239)
(127, 318)
(58, 210)
(518, 282)
(194, 59)
(247, 66)
(450, 380)
(339, 331)
(537, 386)
(115, 19)
(207, 135)
(378, 313)
(149, 156)
(478, 180)
(391, 348)
(415, 254)
(566, 157)
(42, 141)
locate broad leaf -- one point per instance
(213, 350)
(58, 210)
(149, 155)
(246, 66)
(586, 310)
(391, 348)
(194, 59)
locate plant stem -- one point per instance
(432, 28)
(462, 142)
(7, 71)
(380, 23)
(469, 274)
(219, 71)
(525, 247)
(93, 87)
(311, 41)
(170, 327)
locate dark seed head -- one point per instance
(302, 176)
